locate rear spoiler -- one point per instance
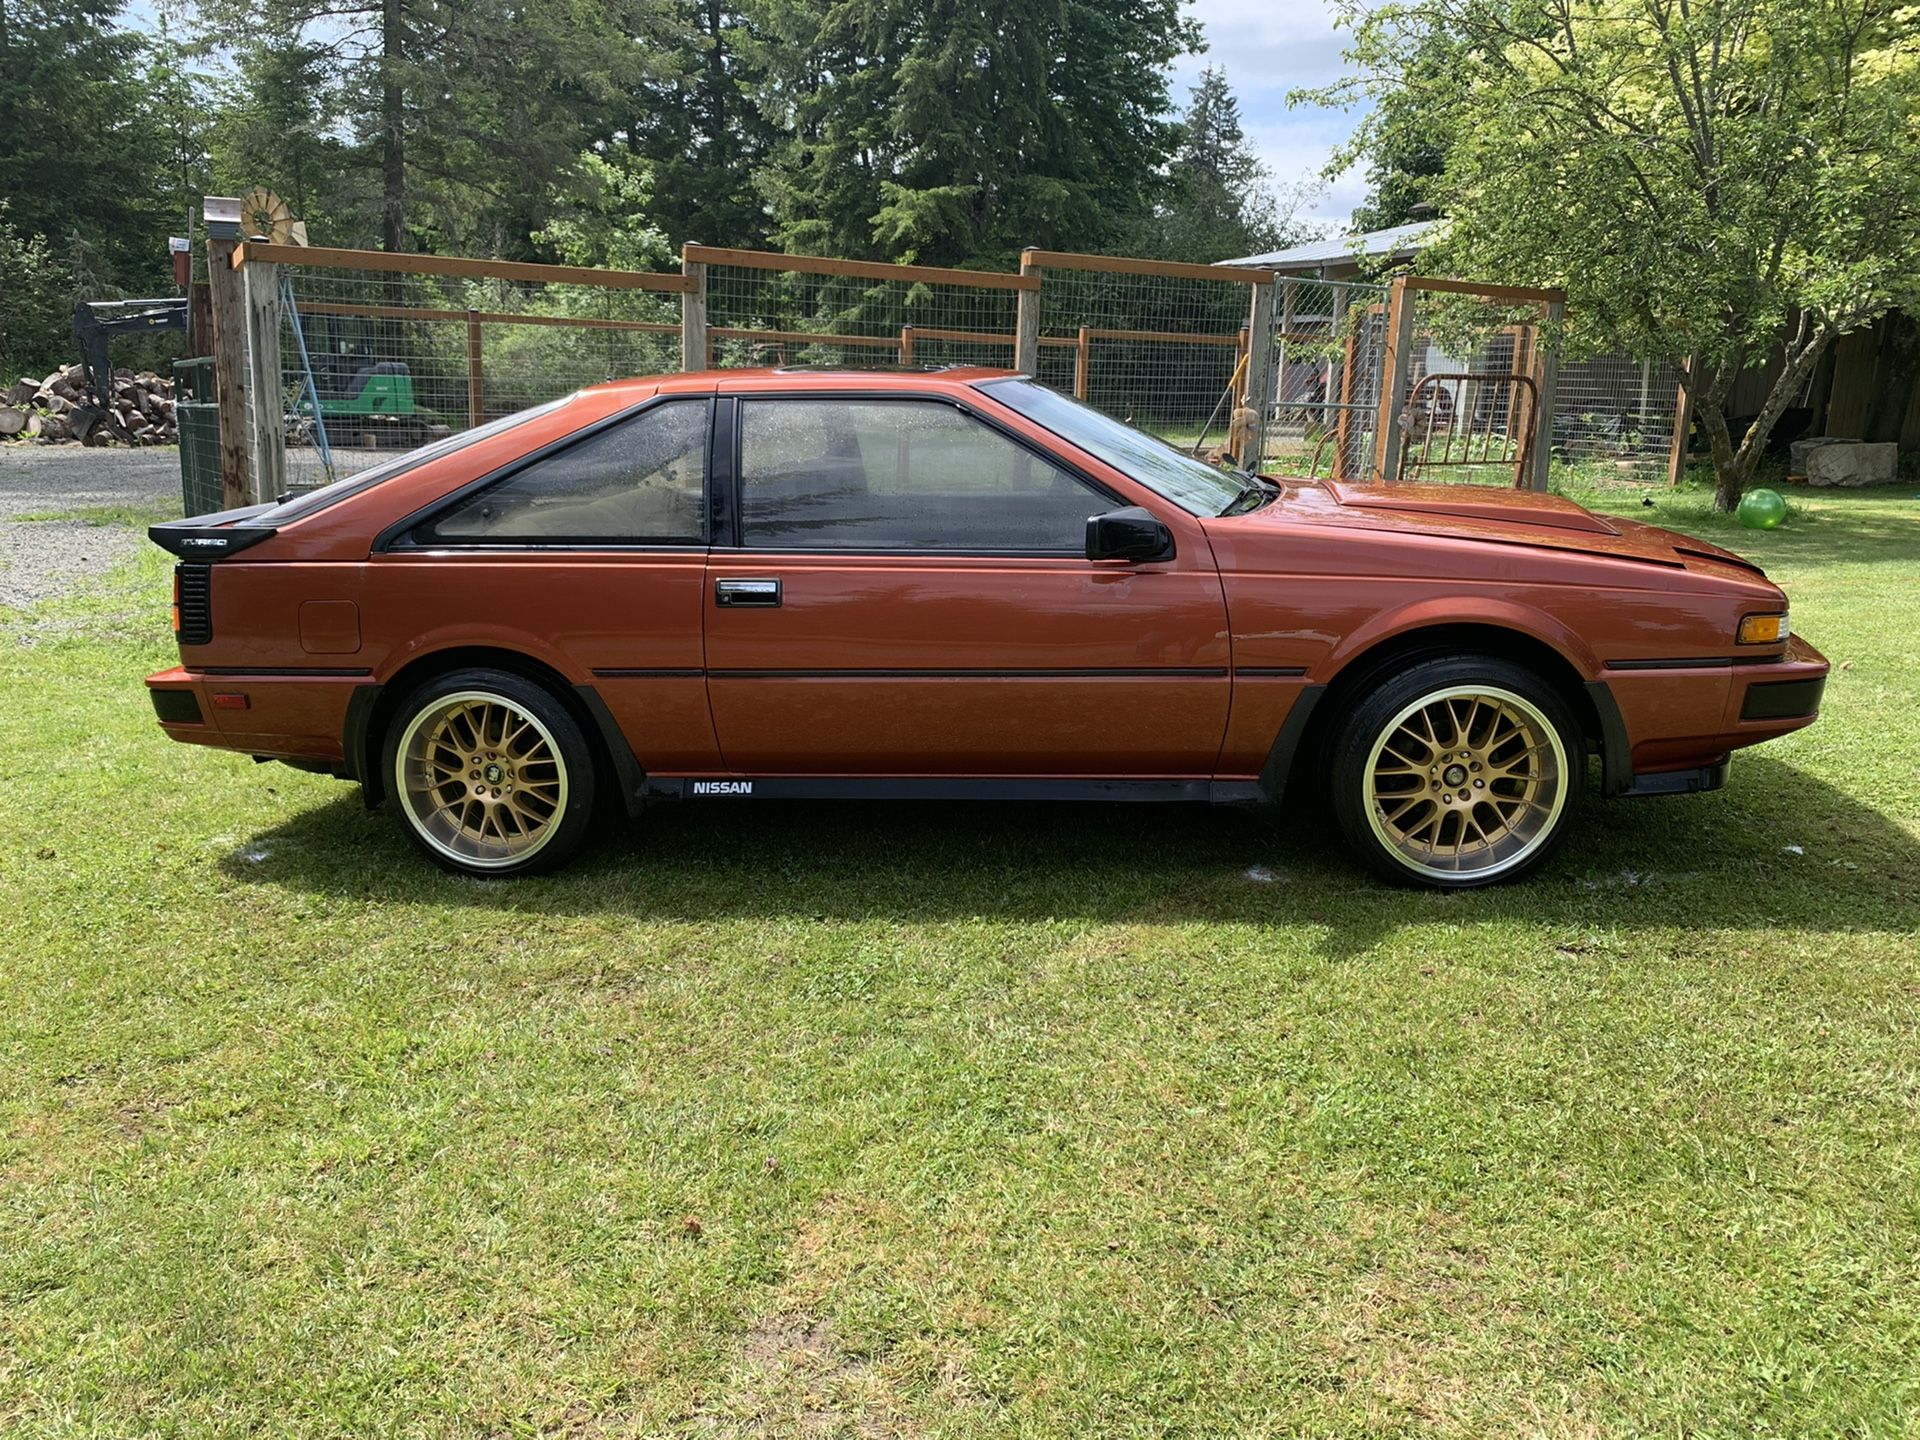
(208, 537)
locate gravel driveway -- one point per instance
(41, 559)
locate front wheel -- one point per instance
(490, 773)
(1457, 773)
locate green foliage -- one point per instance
(276, 129)
(1407, 141)
(1726, 180)
(36, 323)
(960, 131)
(614, 224)
(76, 143)
(457, 126)
(697, 126)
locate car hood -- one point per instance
(1495, 515)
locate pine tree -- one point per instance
(1219, 204)
(74, 161)
(465, 118)
(697, 131)
(960, 130)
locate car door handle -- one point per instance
(741, 594)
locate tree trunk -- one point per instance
(393, 144)
(1729, 475)
(1733, 468)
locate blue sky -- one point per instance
(1266, 48)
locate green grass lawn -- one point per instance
(960, 1121)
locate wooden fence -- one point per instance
(1126, 333)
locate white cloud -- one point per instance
(1267, 48)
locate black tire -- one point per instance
(522, 795)
(1484, 801)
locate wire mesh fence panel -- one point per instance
(760, 314)
(374, 362)
(378, 353)
(1469, 382)
(1328, 340)
(1613, 419)
(1471, 405)
(1155, 345)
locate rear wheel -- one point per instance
(490, 773)
(1457, 773)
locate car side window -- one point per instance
(900, 475)
(640, 481)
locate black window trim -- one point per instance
(399, 537)
(738, 538)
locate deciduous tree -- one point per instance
(1720, 182)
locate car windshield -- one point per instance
(298, 507)
(1192, 484)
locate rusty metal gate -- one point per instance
(1465, 381)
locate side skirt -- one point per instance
(830, 787)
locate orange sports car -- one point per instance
(743, 586)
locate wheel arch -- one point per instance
(367, 720)
(1366, 664)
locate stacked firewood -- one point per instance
(138, 411)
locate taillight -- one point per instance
(193, 604)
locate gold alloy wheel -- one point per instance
(1467, 781)
(482, 780)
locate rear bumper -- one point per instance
(286, 716)
(1669, 730)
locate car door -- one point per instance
(910, 596)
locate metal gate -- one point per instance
(1466, 375)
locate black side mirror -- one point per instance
(1129, 534)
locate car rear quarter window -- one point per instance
(298, 507)
(641, 480)
(900, 475)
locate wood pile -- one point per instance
(63, 407)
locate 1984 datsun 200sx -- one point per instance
(956, 584)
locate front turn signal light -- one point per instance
(1763, 629)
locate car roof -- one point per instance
(802, 379)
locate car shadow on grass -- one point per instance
(1777, 847)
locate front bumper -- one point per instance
(1668, 730)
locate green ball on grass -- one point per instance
(1762, 510)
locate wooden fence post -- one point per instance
(1682, 424)
(1548, 371)
(1082, 362)
(1289, 301)
(693, 315)
(476, 383)
(1390, 427)
(1026, 330)
(906, 344)
(230, 381)
(1259, 391)
(266, 390)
